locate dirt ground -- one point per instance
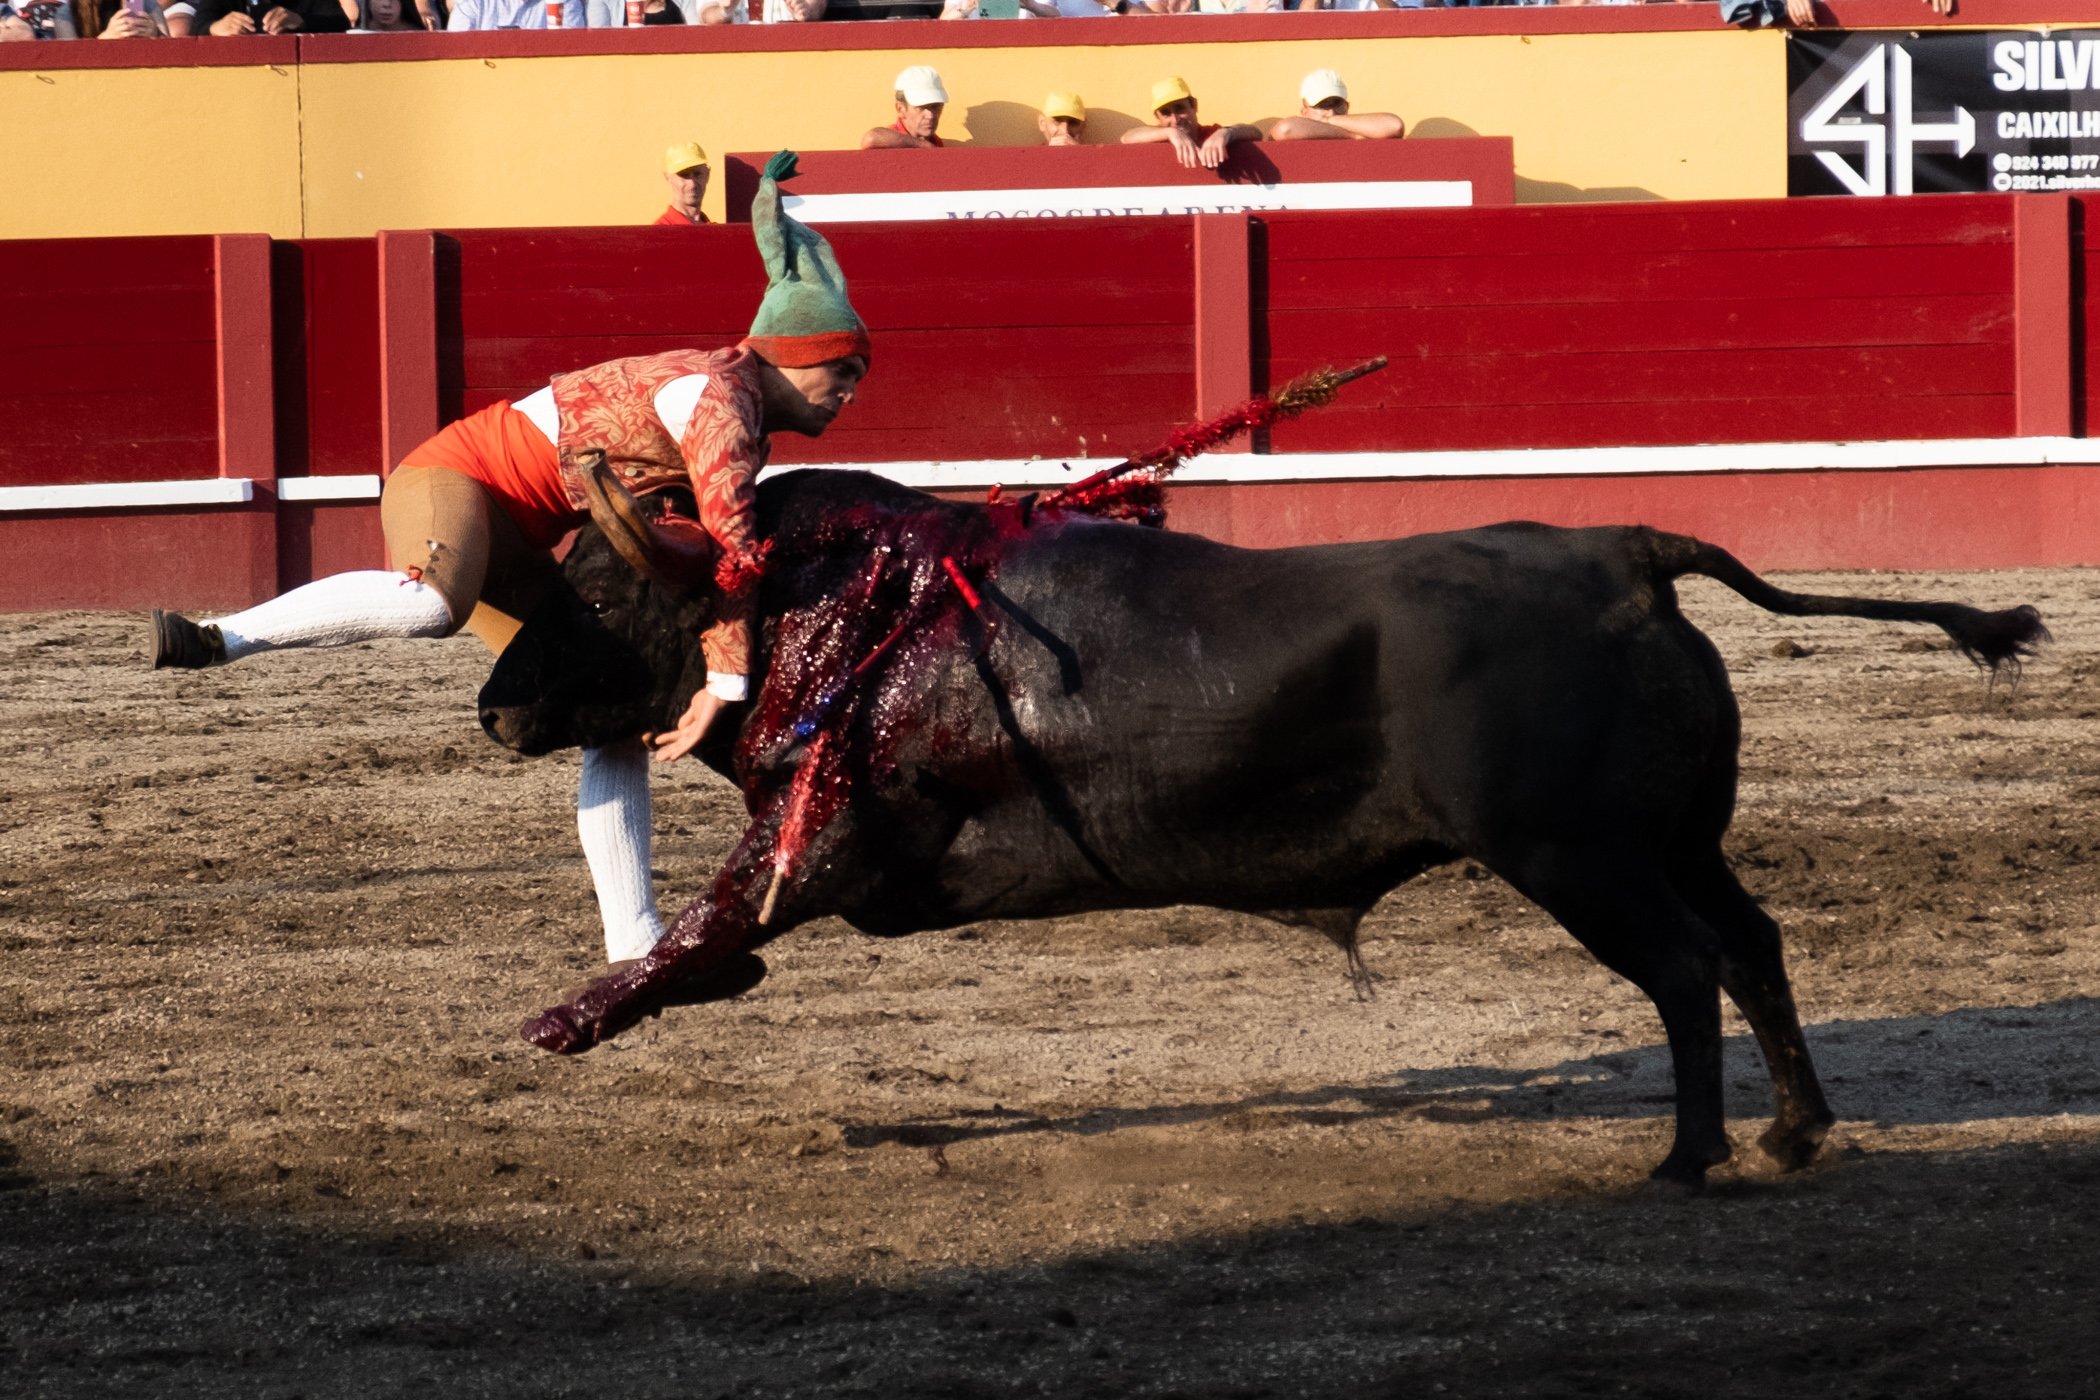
(266, 1128)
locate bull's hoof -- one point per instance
(1793, 1147)
(557, 1029)
(1686, 1170)
(181, 643)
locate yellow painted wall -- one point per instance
(576, 140)
(100, 152)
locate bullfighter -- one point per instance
(471, 518)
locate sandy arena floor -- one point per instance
(266, 1128)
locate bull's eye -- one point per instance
(599, 607)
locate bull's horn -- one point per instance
(673, 551)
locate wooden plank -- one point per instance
(972, 350)
(1224, 316)
(2042, 293)
(1018, 404)
(167, 413)
(1842, 374)
(644, 260)
(343, 357)
(246, 389)
(1736, 225)
(408, 343)
(135, 265)
(63, 317)
(931, 304)
(1421, 429)
(1099, 443)
(34, 376)
(1311, 336)
(1600, 277)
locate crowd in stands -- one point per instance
(920, 97)
(147, 19)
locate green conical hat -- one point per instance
(805, 318)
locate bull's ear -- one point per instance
(670, 550)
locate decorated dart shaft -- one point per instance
(1311, 390)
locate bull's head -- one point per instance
(614, 651)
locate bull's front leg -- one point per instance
(710, 930)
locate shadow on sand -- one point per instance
(1912, 1274)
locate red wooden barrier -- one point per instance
(239, 399)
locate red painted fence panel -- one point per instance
(1639, 325)
(992, 340)
(112, 373)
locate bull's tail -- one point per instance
(1995, 641)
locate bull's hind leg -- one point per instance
(1624, 910)
(1753, 972)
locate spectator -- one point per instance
(971, 9)
(386, 17)
(920, 99)
(136, 19)
(1063, 121)
(612, 14)
(29, 20)
(1323, 115)
(230, 17)
(793, 11)
(512, 14)
(685, 171)
(1760, 14)
(1195, 145)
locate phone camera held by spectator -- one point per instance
(257, 9)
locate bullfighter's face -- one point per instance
(810, 396)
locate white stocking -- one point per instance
(613, 819)
(356, 607)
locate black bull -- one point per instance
(1154, 718)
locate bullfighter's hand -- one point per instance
(692, 728)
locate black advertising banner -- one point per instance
(1905, 113)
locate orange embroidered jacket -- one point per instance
(663, 420)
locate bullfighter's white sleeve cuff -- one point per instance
(724, 686)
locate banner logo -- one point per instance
(1881, 84)
(1869, 114)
